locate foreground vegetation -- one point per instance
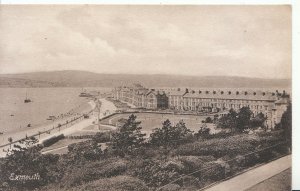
(133, 163)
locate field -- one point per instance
(151, 121)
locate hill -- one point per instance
(71, 78)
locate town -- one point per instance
(271, 104)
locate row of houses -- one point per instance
(141, 97)
(271, 104)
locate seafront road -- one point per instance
(105, 106)
(253, 176)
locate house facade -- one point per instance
(141, 97)
(271, 104)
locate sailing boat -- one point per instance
(84, 94)
(27, 100)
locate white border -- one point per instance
(152, 2)
(296, 49)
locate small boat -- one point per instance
(27, 100)
(51, 117)
(84, 94)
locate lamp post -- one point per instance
(98, 107)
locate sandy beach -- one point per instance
(107, 107)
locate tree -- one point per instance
(128, 137)
(208, 120)
(87, 150)
(216, 116)
(286, 124)
(243, 118)
(169, 135)
(10, 140)
(228, 121)
(203, 131)
(258, 121)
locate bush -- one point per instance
(52, 140)
(154, 173)
(92, 171)
(191, 163)
(29, 162)
(219, 147)
(118, 183)
(102, 137)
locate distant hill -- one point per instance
(72, 78)
(25, 83)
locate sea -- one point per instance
(45, 102)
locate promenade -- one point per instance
(254, 176)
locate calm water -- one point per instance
(45, 102)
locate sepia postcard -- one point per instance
(146, 97)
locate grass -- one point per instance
(63, 143)
(151, 121)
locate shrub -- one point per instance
(118, 183)
(102, 137)
(52, 140)
(92, 171)
(154, 173)
(191, 163)
(89, 150)
(219, 147)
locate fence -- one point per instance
(216, 172)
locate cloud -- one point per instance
(196, 40)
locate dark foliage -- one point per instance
(128, 137)
(52, 140)
(169, 135)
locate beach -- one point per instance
(76, 126)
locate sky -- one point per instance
(248, 41)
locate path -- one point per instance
(254, 176)
(56, 149)
(279, 182)
(105, 106)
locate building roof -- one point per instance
(243, 95)
(282, 101)
(176, 93)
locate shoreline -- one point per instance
(18, 134)
(66, 130)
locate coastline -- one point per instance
(106, 107)
(49, 127)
